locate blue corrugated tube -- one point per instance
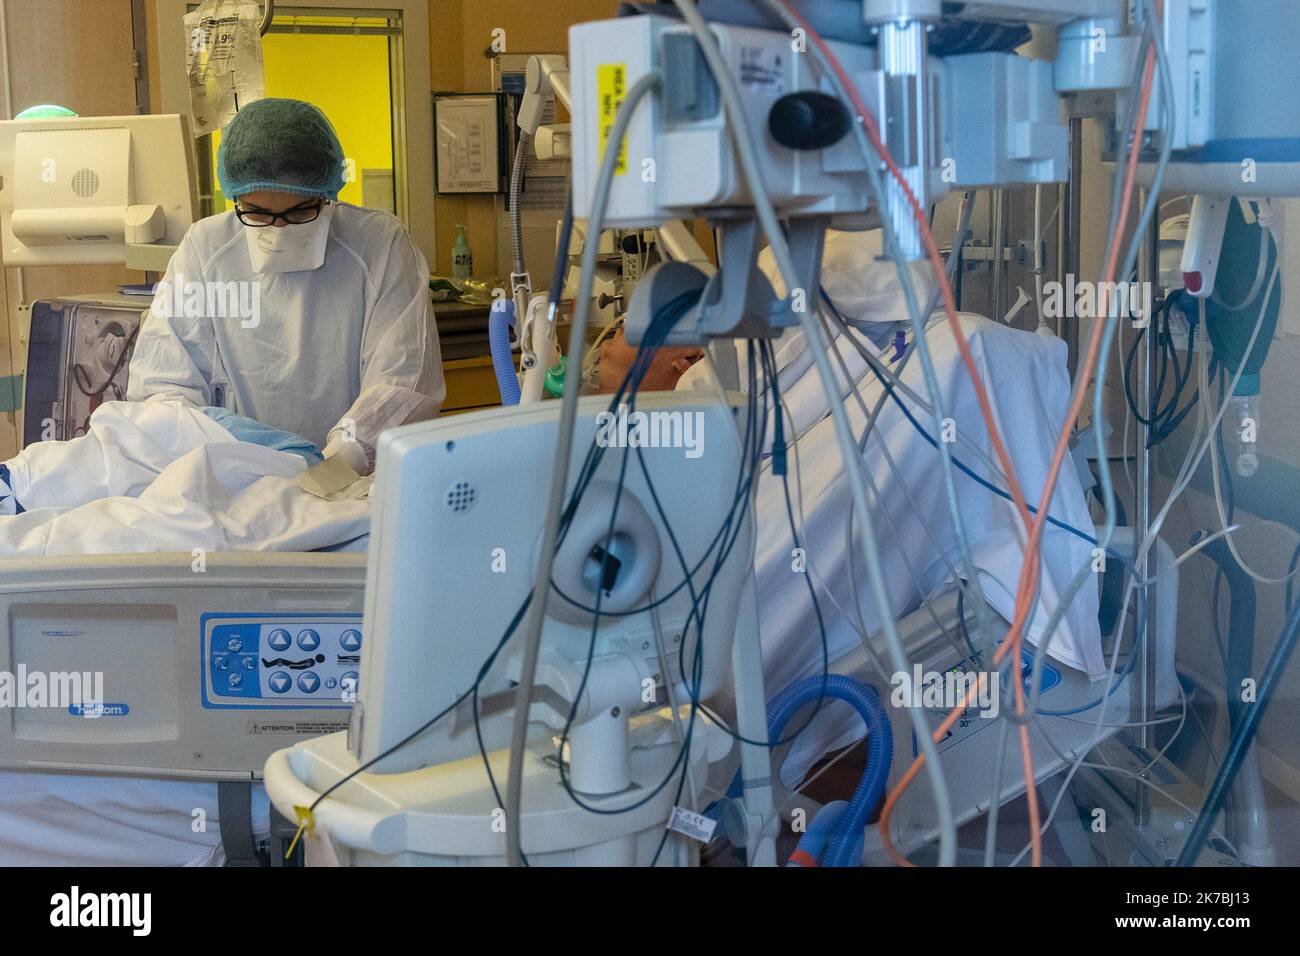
(813, 842)
(500, 319)
(844, 847)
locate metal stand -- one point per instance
(1146, 603)
(760, 823)
(235, 817)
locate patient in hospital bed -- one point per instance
(1026, 379)
(165, 475)
(156, 475)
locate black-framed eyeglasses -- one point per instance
(297, 216)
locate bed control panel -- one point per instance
(280, 660)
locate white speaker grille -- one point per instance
(85, 183)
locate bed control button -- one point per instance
(308, 639)
(280, 682)
(279, 639)
(235, 680)
(234, 645)
(350, 640)
(249, 662)
(349, 683)
(308, 683)
(219, 662)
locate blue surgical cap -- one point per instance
(283, 145)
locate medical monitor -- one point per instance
(82, 190)
(458, 511)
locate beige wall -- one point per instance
(460, 31)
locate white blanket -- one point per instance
(148, 476)
(162, 476)
(1029, 389)
(59, 819)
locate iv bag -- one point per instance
(223, 61)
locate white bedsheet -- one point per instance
(148, 476)
(162, 476)
(1029, 388)
(55, 819)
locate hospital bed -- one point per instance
(932, 638)
(193, 662)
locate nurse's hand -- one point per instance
(667, 366)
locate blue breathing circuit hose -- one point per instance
(846, 823)
(500, 319)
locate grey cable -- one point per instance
(516, 220)
(1108, 491)
(983, 622)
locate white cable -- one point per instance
(983, 619)
(1038, 254)
(1154, 38)
(869, 425)
(1195, 462)
(1194, 457)
(1190, 552)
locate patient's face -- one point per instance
(667, 366)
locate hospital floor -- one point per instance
(838, 781)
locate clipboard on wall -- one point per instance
(471, 143)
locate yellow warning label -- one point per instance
(611, 88)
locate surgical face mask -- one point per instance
(292, 248)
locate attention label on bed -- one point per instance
(295, 728)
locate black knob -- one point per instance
(808, 120)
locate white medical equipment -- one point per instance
(206, 669)
(78, 354)
(620, 267)
(1238, 125)
(104, 189)
(455, 533)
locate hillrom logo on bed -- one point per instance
(178, 299)
(79, 692)
(654, 429)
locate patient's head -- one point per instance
(861, 284)
(666, 367)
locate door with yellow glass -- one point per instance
(347, 64)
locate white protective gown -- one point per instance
(351, 343)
